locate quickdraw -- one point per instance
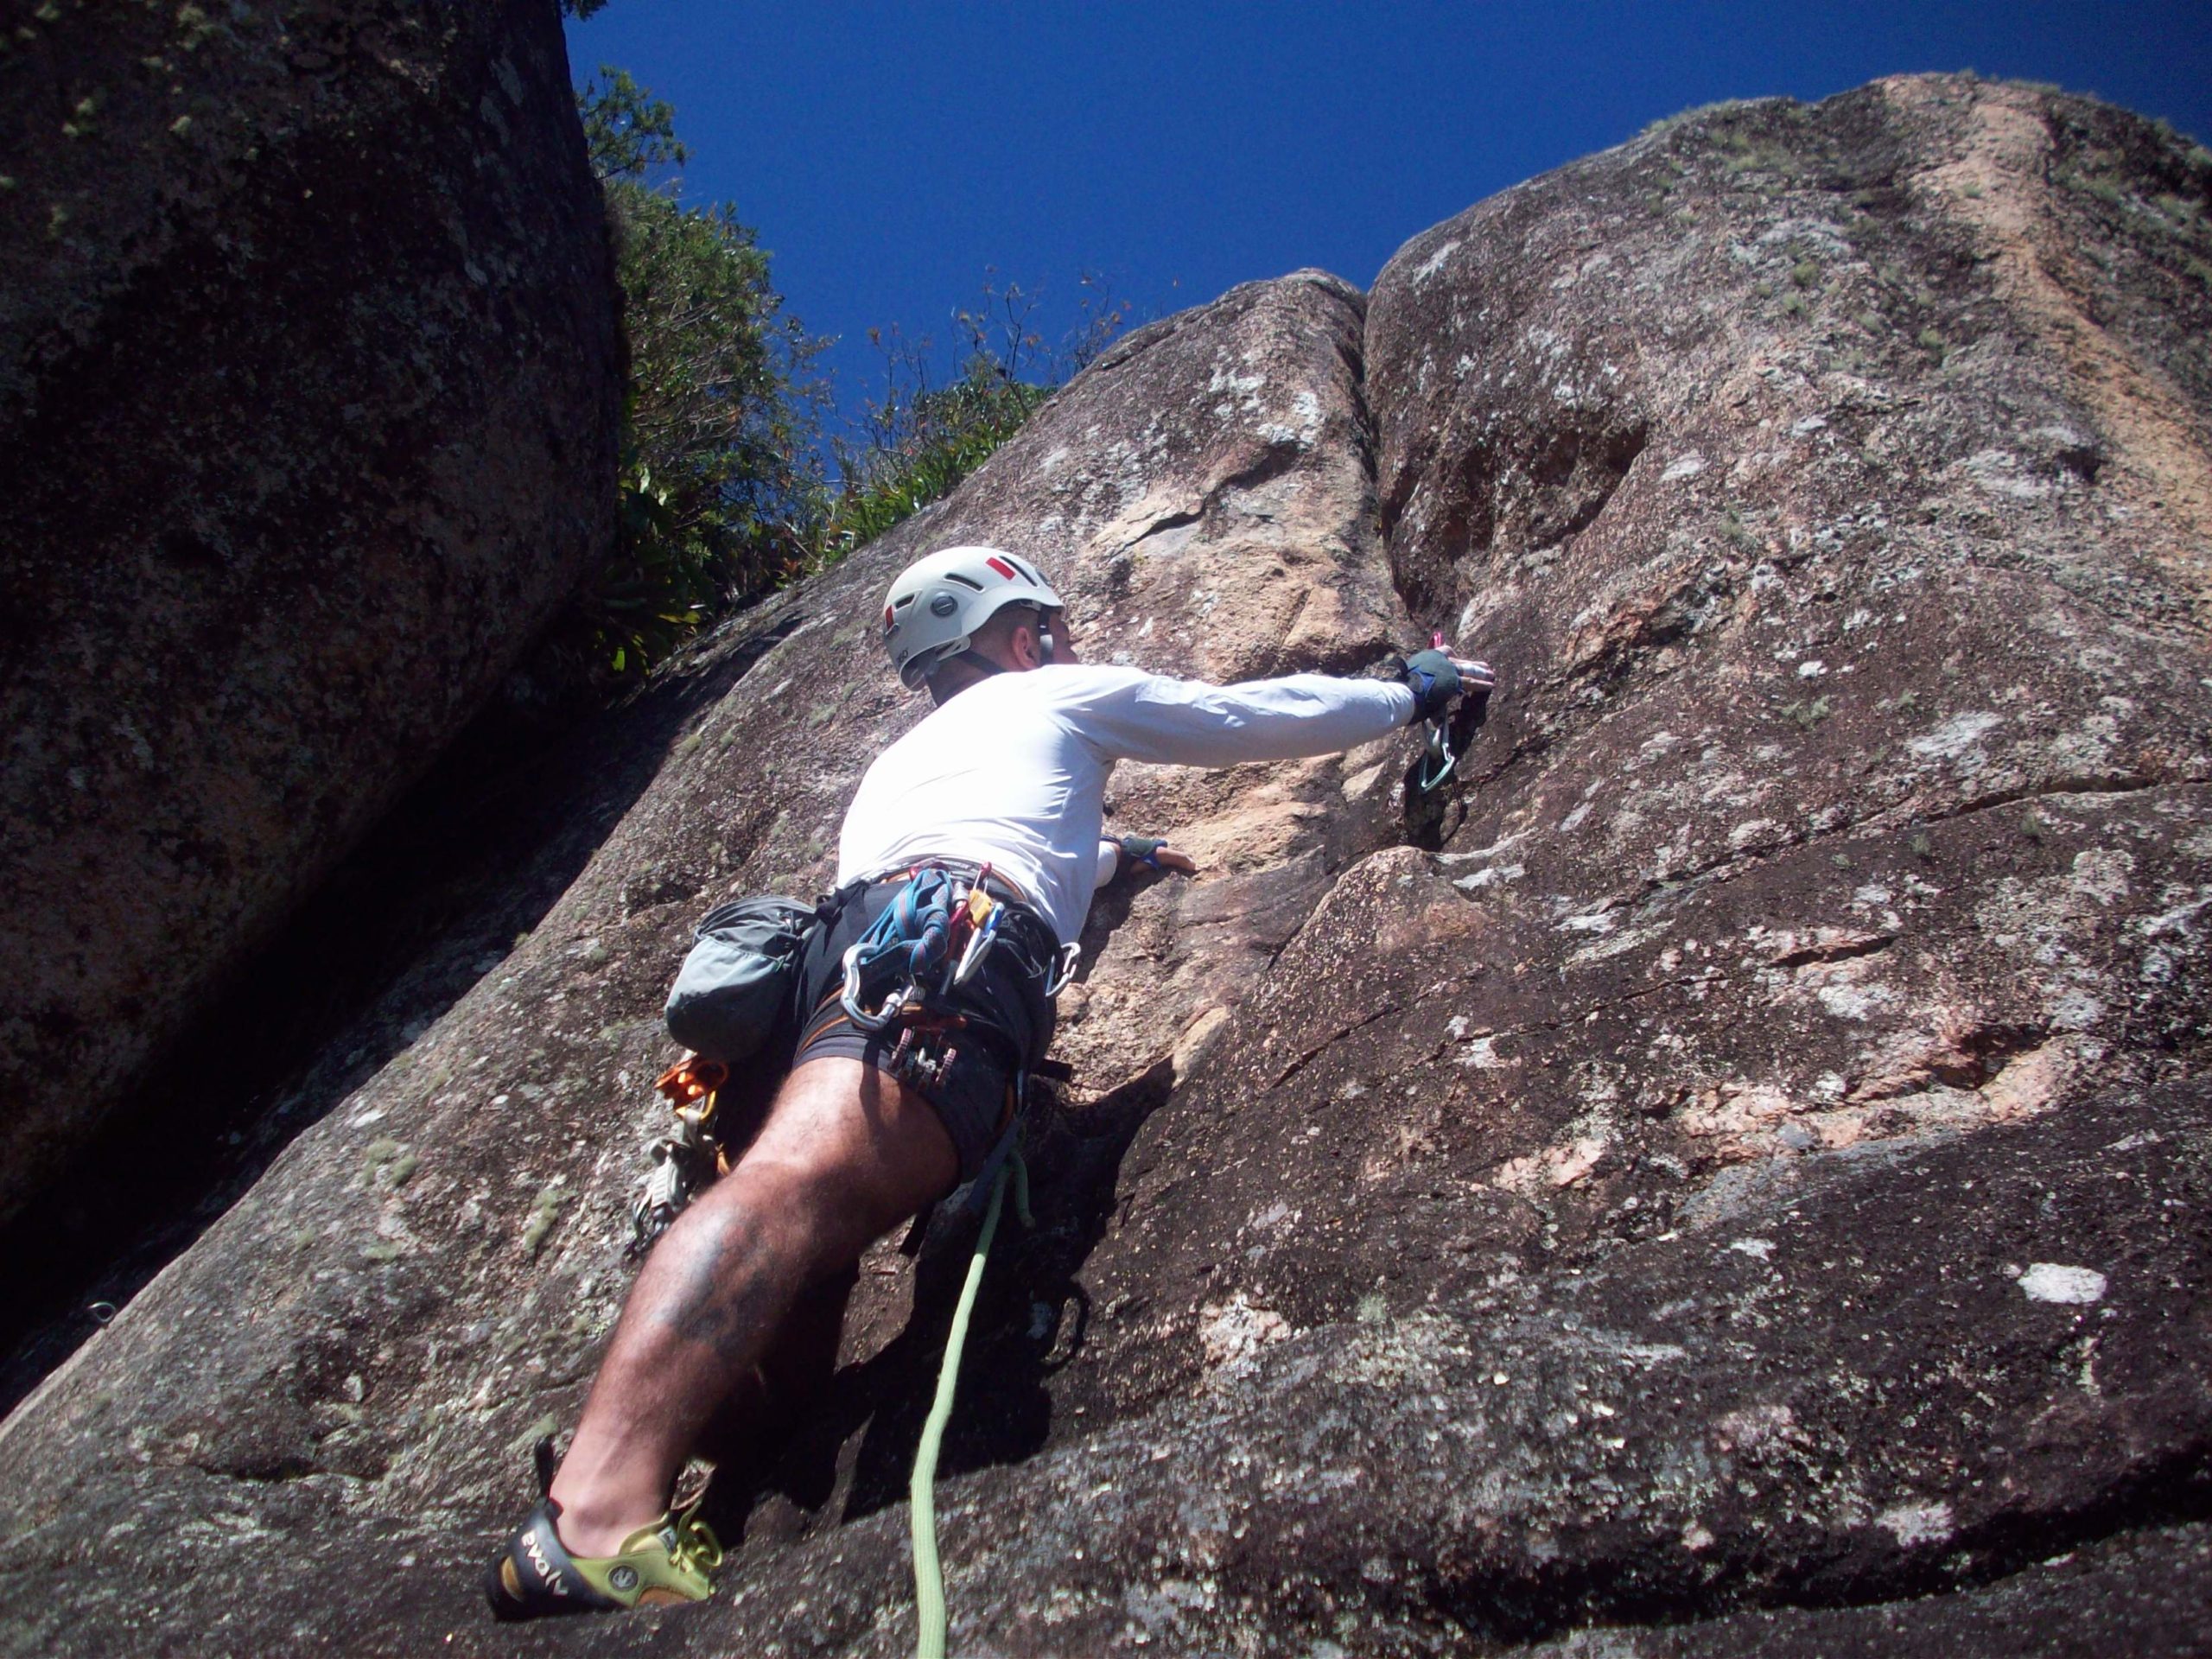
(1448, 735)
(686, 1160)
(1437, 753)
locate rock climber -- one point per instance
(1003, 782)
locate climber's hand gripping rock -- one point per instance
(1451, 694)
(1155, 851)
(1437, 679)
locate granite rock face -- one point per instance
(308, 390)
(1734, 1180)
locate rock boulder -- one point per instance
(309, 396)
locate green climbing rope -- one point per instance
(929, 1574)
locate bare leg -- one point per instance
(847, 1153)
(755, 1425)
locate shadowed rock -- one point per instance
(1744, 1192)
(308, 403)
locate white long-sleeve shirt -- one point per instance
(1012, 770)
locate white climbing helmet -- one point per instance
(934, 608)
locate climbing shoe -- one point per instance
(657, 1565)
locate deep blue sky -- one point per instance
(888, 153)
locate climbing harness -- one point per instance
(921, 1491)
(933, 937)
(686, 1160)
(929, 941)
(915, 935)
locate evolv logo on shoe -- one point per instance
(546, 1575)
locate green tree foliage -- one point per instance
(627, 131)
(721, 414)
(942, 436)
(725, 490)
(919, 441)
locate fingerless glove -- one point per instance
(1433, 682)
(1142, 849)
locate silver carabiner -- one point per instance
(1069, 954)
(1440, 748)
(979, 946)
(859, 1015)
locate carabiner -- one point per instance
(1439, 749)
(1069, 954)
(980, 941)
(851, 999)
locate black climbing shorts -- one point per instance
(1011, 1022)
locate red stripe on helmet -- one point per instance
(1004, 569)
